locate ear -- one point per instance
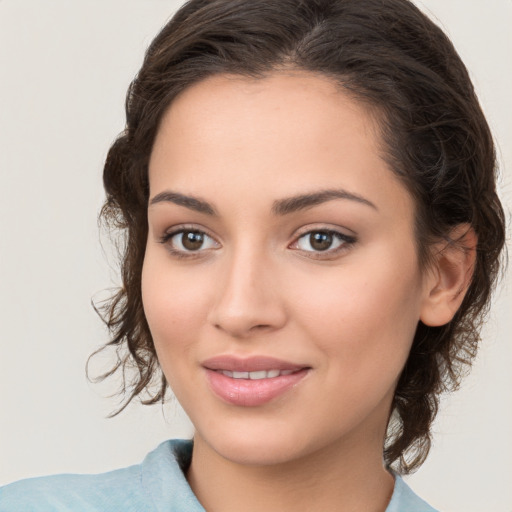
(449, 276)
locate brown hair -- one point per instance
(385, 53)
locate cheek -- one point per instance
(364, 315)
(172, 305)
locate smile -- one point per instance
(254, 381)
(256, 375)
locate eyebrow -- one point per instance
(192, 203)
(305, 201)
(280, 207)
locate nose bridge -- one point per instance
(248, 298)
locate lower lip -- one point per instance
(251, 393)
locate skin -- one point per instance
(257, 287)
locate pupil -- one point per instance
(320, 241)
(192, 240)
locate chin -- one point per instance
(268, 453)
(265, 446)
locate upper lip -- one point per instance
(249, 364)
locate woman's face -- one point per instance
(281, 281)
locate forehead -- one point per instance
(276, 135)
(265, 109)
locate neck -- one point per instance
(343, 477)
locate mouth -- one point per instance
(252, 381)
(256, 375)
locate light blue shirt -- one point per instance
(156, 485)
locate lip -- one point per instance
(247, 392)
(249, 364)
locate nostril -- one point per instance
(242, 311)
(260, 327)
(242, 329)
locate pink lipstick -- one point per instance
(252, 381)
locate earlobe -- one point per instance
(449, 277)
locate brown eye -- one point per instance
(192, 240)
(189, 240)
(326, 241)
(320, 240)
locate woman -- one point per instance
(308, 195)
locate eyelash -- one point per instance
(183, 253)
(345, 242)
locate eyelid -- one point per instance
(175, 230)
(347, 241)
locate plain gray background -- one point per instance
(65, 67)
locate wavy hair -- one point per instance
(390, 56)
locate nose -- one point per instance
(249, 299)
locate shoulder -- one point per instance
(158, 482)
(405, 500)
(72, 492)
